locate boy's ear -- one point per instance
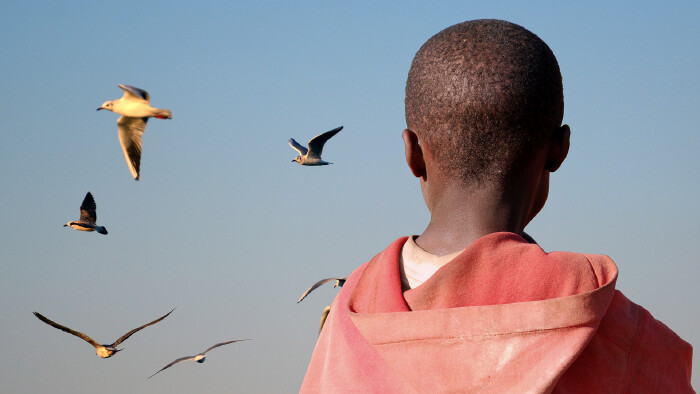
(414, 153)
(559, 147)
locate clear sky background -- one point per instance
(227, 229)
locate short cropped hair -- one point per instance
(484, 95)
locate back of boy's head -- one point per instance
(483, 96)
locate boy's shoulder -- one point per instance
(628, 349)
(650, 357)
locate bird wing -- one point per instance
(68, 330)
(302, 151)
(130, 333)
(173, 363)
(316, 143)
(131, 92)
(88, 209)
(324, 316)
(222, 344)
(130, 135)
(315, 286)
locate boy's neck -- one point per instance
(460, 216)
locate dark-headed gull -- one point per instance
(104, 351)
(312, 156)
(88, 217)
(338, 282)
(135, 109)
(199, 357)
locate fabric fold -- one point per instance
(502, 316)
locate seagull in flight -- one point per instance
(312, 156)
(104, 351)
(199, 357)
(338, 282)
(135, 109)
(88, 217)
(324, 316)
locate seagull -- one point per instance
(88, 217)
(338, 282)
(104, 351)
(199, 357)
(312, 156)
(324, 316)
(135, 109)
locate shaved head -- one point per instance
(484, 96)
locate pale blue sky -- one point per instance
(225, 228)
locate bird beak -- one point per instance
(99, 108)
(293, 161)
(65, 225)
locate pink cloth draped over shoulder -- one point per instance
(501, 317)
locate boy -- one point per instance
(473, 303)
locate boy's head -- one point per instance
(485, 98)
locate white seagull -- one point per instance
(199, 357)
(338, 282)
(104, 351)
(312, 156)
(135, 109)
(88, 217)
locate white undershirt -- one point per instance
(416, 265)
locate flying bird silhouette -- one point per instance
(88, 217)
(198, 357)
(104, 351)
(135, 109)
(312, 156)
(338, 282)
